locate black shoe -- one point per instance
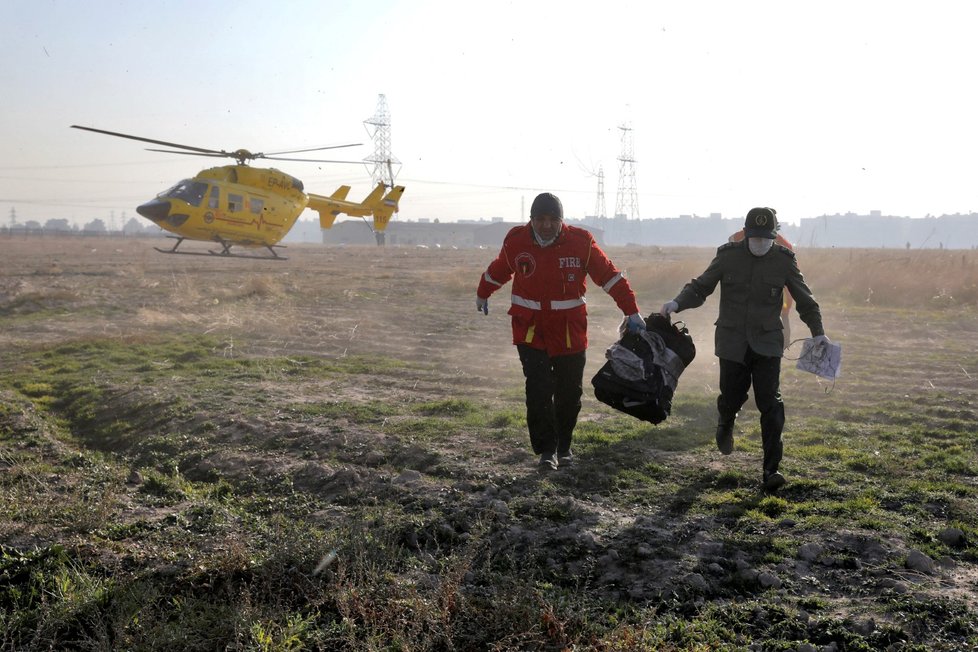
(725, 438)
(773, 480)
(548, 462)
(565, 458)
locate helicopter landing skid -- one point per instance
(225, 251)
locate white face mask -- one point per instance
(759, 246)
(548, 241)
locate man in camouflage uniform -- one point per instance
(752, 274)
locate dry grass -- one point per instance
(935, 279)
(886, 278)
(352, 405)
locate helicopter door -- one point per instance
(213, 205)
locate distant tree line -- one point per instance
(132, 227)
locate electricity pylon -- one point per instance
(381, 163)
(627, 203)
(599, 207)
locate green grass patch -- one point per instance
(451, 407)
(420, 429)
(368, 412)
(179, 491)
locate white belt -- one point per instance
(566, 304)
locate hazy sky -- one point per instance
(812, 108)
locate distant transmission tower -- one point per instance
(13, 216)
(627, 204)
(382, 161)
(599, 207)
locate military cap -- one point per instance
(761, 223)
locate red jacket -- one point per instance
(548, 307)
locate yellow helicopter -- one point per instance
(250, 207)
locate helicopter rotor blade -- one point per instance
(306, 160)
(174, 151)
(257, 156)
(311, 149)
(191, 148)
(241, 155)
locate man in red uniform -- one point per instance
(549, 262)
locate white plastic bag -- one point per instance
(823, 360)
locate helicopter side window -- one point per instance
(256, 206)
(235, 202)
(215, 196)
(189, 191)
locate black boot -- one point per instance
(548, 462)
(773, 480)
(725, 440)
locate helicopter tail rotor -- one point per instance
(386, 207)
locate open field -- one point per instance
(330, 453)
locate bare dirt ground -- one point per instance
(417, 306)
(414, 305)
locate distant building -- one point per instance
(685, 230)
(877, 230)
(304, 231)
(457, 235)
(849, 230)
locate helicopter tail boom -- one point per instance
(381, 206)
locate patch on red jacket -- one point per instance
(526, 264)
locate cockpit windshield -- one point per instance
(188, 190)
